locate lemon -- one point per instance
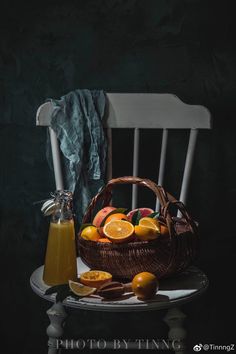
(145, 233)
(150, 222)
(80, 289)
(147, 229)
(90, 233)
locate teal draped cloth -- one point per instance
(77, 120)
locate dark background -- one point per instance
(47, 49)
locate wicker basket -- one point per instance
(165, 256)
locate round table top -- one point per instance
(177, 290)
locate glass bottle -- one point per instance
(60, 261)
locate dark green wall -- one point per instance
(47, 49)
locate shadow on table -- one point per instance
(192, 278)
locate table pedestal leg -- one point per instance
(57, 315)
(177, 334)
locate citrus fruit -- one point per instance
(150, 222)
(145, 233)
(95, 278)
(80, 289)
(164, 229)
(104, 240)
(119, 231)
(116, 216)
(144, 212)
(145, 285)
(90, 233)
(101, 214)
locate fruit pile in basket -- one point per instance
(116, 225)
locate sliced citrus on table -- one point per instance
(95, 278)
(80, 289)
(119, 231)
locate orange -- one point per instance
(116, 216)
(104, 240)
(145, 285)
(164, 229)
(80, 289)
(90, 233)
(119, 231)
(95, 278)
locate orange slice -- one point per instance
(95, 278)
(119, 231)
(151, 223)
(80, 289)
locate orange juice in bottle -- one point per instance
(60, 261)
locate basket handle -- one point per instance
(106, 195)
(181, 207)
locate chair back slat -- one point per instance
(135, 167)
(56, 160)
(109, 153)
(162, 162)
(188, 164)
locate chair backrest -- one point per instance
(140, 111)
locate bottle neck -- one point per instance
(63, 206)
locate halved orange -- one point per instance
(80, 289)
(95, 278)
(119, 231)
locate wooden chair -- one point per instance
(137, 111)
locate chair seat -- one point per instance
(173, 291)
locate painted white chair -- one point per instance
(137, 111)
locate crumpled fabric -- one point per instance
(77, 120)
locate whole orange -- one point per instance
(145, 285)
(116, 216)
